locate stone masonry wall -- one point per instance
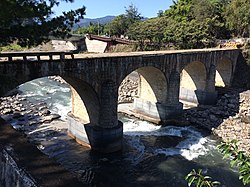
(237, 126)
(229, 119)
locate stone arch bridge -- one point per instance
(165, 78)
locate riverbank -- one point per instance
(229, 119)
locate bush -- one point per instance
(12, 47)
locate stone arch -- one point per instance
(152, 84)
(193, 81)
(224, 69)
(85, 101)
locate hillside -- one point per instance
(86, 21)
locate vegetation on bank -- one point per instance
(12, 47)
(186, 24)
(238, 158)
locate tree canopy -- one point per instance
(195, 23)
(30, 22)
(237, 15)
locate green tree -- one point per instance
(210, 13)
(30, 21)
(237, 15)
(149, 33)
(97, 29)
(180, 10)
(188, 34)
(119, 26)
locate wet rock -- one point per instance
(7, 111)
(17, 115)
(55, 116)
(44, 113)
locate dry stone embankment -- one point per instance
(229, 119)
(128, 89)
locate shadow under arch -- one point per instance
(224, 71)
(193, 82)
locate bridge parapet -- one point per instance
(10, 56)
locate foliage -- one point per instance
(148, 33)
(231, 150)
(194, 24)
(119, 26)
(187, 24)
(30, 21)
(186, 35)
(96, 29)
(180, 11)
(199, 180)
(209, 13)
(237, 15)
(12, 47)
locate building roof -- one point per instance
(108, 39)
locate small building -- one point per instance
(101, 44)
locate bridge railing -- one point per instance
(35, 56)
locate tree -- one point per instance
(188, 34)
(210, 12)
(149, 33)
(237, 15)
(119, 26)
(30, 22)
(132, 15)
(180, 11)
(97, 29)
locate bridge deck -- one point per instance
(37, 56)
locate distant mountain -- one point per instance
(86, 21)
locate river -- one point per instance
(151, 156)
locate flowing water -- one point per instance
(151, 156)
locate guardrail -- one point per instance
(9, 56)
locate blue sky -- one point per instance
(101, 8)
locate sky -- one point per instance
(101, 8)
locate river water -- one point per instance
(151, 156)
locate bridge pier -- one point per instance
(105, 140)
(101, 131)
(198, 96)
(156, 111)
